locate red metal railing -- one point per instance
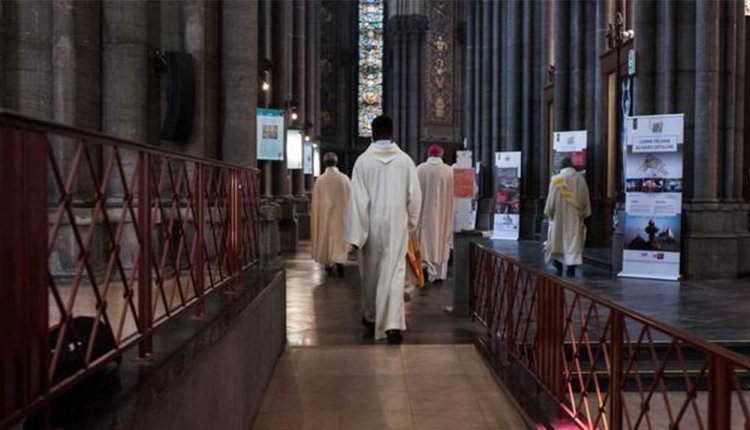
(97, 226)
(606, 366)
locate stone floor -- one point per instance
(325, 310)
(713, 310)
(333, 376)
(385, 387)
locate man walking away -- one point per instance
(568, 205)
(330, 201)
(436, 221)
(384, 207)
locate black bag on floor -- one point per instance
(74, 402)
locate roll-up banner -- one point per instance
(653, 196)
(271, 133)
(507, 195)
(307, 162)
(571, 144)
(464, 193)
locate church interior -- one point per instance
(158, 160)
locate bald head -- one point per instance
(330, 159)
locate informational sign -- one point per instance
(653, 196)
(294, 149)
(571, 144)
(507, 195)
(316, 161)
(307, 159)
(271, 133)
(464, 192)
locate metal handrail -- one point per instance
(191, 226)
(578, 348)
(629, 313)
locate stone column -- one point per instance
(415, 42)
(201, 36)
(125, 68)
(562, 68)
(299, 81)
(514, 70)
(265, 10)
(312, 98)
(497, 75)
(282, 90)
(644, 14)
(28, 57)
(477, 97)
(707, 50)
(239, 76)
(469, 83)
(666, 57)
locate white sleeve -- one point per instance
(358, 212)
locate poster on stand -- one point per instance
(294, 149)
(464, 193)
(571, 144)
(271, 133)
(653, 196)
(507, 195)
(307, 162)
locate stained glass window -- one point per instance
(370, 63)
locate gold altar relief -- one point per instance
(439, 94)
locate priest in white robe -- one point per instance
(436, 221)
(330, 201)
(568, 205)
(384, 207)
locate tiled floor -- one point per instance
(385, 387)
(326, 310)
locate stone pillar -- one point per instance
(497, 75)
(282, 77)
(239, 76)
(415, 44)
(644, 14)
(666, 57)
(27, 27)
(266, 23)
(469, 82)
(299, 81)
(562, 68)
(707, 46)
(201, 37)
(125, 68)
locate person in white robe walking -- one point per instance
(436, 221)
(568, 205)
(384, 207)
(330, 201)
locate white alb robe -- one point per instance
(568, 204)
(330, 201)
(384, 206)
(436, 221)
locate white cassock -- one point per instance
(567, 206)
(436, 221)
(330, 201)
(383, 208)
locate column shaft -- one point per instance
(707, 49)
(239, 75)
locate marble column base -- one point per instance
(715, 240)
(303, 217)
(288, 224)
(270, 244)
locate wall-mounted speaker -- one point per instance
(180, 73)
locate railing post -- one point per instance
(234, 228)
(719, 393)
(24, 312)
(616, 369)
(145, 310)
(510, 294)
(199, 264)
